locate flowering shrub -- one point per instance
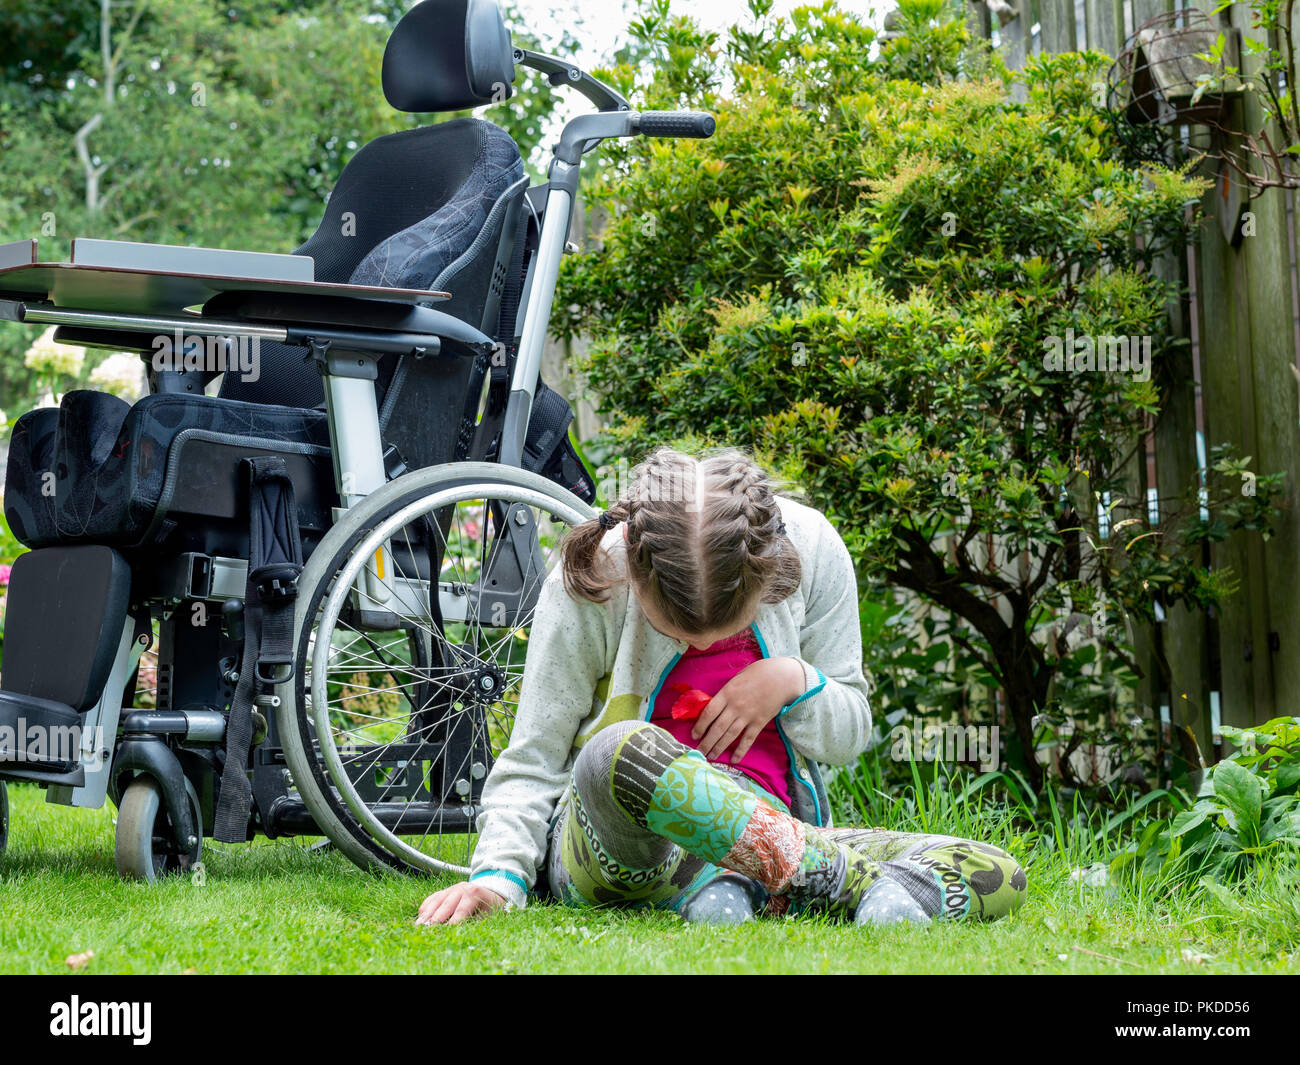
(122, 374)
(48, 356)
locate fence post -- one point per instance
(1016, 42)
(1057, 22)
(1223, 285)
(1104, 26)
(1270, 388)
(978, 21)
(1183, 635)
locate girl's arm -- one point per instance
(566, 658)
(831, 721)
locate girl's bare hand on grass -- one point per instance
(458, 903)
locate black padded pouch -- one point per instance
(63, 623)
(548, 450)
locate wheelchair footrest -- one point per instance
(290, 817)
(40, 740)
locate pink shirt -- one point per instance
(767, 761)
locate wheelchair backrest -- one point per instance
(435, 207)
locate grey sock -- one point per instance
(724, 900)
(887, 902)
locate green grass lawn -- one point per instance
(276, 906)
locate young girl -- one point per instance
(693, 657)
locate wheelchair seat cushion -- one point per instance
(94, 469)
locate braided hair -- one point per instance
(705, 540)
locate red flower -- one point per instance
(689, 705)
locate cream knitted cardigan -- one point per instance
(592, 664)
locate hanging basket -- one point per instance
(1155, 88)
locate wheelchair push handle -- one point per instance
(676, 124)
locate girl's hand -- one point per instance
(745, 704)
(458, 903)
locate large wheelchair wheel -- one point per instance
(411, 632)
(4, 818)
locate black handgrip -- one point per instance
(676, 124)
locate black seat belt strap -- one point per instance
(274, 565)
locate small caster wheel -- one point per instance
(146, 843)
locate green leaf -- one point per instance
(1222, 894)
(1242, 793)
(1188, 820)
(1283, 825)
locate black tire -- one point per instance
(146, 847)
(4, 817)
(309, 767)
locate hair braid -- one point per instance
(704, 540)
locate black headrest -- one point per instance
(446, 55)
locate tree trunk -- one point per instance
(1026, 679)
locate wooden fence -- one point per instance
(1238, 381)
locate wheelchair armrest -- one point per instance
(307, 310)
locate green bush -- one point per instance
(857, 277)
(1248, 812)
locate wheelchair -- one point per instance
(301, 606)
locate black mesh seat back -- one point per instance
(453, 247)
(466, 248)
(390, 185)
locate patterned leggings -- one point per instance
(650, 823)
